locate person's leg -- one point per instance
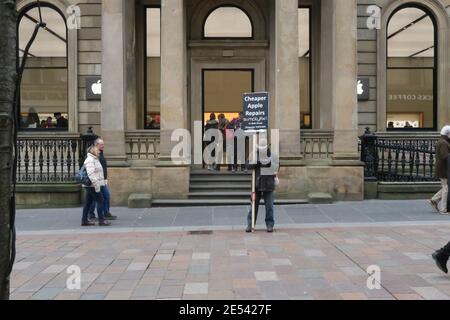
(87, 206)
(441, 258)
(443, 203)
(107, 199)
(249, 217)
(436, 200)
(91, 214)
(100, 205)
(269, 198)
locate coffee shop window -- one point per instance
(411, 70)
(44, 91)
(304, 54)
(152, 110)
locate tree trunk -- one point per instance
(8, 76)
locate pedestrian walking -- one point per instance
(106, 192)
(94, 192)
(439, 200)
(265, 185)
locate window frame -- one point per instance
(311, 51)
(434, 68)
(204, 37)
(146, 95)
(20, 16)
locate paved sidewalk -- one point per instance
(318, 252)
(175, 219)
(328, 263)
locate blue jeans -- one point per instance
(269, 198)
(93, 198)
(106, 204)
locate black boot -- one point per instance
(441, 258)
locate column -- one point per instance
(326, 37)
(287, 82)
(345, 79)
(113, 117)
(173, 74)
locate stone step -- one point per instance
(217, 194)
(210, 202)
(217, 173)
(220, 188)
(139, 201)
(320, 198)
(214, 178)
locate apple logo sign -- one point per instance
(93, 88)
(363, 89)
(360, 88)
(97, 87)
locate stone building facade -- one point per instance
(318, 147)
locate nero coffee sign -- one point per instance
(256, 112)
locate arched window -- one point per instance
(411, 70)
(44, 89)
(228, 22)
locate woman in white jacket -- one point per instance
(94, 171)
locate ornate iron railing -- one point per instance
(48, 159)
(399, 157)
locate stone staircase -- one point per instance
(218, 189)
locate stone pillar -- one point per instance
(326, 85)
(345, 79)
(113, 117)
(173, 74)
(287, 96)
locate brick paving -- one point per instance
(292, 263)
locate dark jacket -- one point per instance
(102, 160)
(442, 151)
(212, 124)
(264, 183)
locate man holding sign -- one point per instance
(264, 187)
(256, 121)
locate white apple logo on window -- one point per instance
(360, 88)
(97, 87)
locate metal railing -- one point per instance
(46, 159)
(399, 157)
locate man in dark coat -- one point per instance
(105, 191)
(212, 124)
(61, 122)
(439, 200)
(266, 177)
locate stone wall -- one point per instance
(160, 182)
(89, 61)
(343, 183)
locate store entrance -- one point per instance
(222, 98)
